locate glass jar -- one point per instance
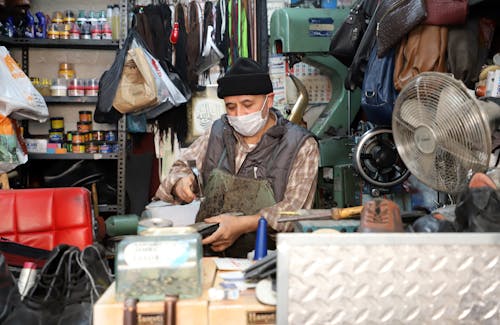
(58, 87)
(66, 71)
(76, 87)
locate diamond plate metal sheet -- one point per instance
(389, 279)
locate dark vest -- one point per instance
(272, 158)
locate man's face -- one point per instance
(245, 104)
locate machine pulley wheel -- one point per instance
(376, 159)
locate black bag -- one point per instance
(9, 294)
(65, 289)
(463, 53)
(346, 40)
(378, 94)
(356, 71)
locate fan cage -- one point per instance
(457, 137)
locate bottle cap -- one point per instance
(29, 265)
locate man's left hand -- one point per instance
(230, 228)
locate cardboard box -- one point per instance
(36, 145)
(200, 311)
(246, 310)
(189, 311)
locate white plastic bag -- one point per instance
(18, 98)
(170, 91)
(165, 87)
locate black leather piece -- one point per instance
(463, 52)
(205, 229)
(76, 314)
(9, 294)
(429, 223)
(478, 210)
(138, 176)
(356, 71)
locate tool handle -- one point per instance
(344, 213)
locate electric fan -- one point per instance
(442, 133)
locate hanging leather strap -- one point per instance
(193, 48)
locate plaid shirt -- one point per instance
(299, 192)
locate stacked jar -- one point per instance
(56, 132)
(81, 137)
(76, 87)
(60, 84)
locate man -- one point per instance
(253, 163)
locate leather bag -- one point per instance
(446, 12)
(356, 71)
(464, 58)
(378, 94)
(395, 19)
(346, 40)
(423, 50)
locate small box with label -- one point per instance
(36, 145)
(161, 261)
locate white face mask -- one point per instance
(250, 124)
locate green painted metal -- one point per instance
(305, 35)
(303, 30)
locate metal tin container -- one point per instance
(166, 260)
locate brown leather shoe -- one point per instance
(380, 215)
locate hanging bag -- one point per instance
(19, 99)
(395, 19)
(378, 94)
(137, 88)
(424, 49)
(346, 40)
(356, 71)
(446, 12)
(108, 84)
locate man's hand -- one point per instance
(230, 228)
(183, 189)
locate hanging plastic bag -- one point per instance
(13, 151)
(109, 81)
(138, 85)
(18, 98)
(108, 84)
(165, 87)
(144, 84)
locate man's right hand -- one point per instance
(183, 189)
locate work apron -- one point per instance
(227, 193)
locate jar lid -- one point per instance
(56, 130)
(65, 66)
(84, 112)
(83, 122)
(56, 118)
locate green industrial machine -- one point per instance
(346, 167)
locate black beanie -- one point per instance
(245, 77)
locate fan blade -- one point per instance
(414, 113)
(422, 166)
